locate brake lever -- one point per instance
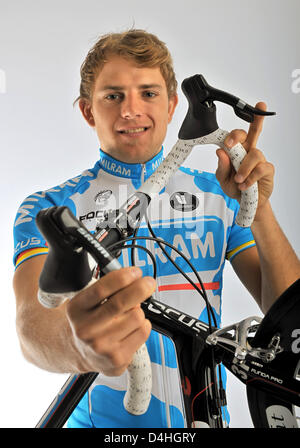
(201, 119)
(67, 268)
(200, 127)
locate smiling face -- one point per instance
(130, 110)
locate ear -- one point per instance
(173, 101)
(86, 110)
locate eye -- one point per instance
(113, 96)
(149, 94)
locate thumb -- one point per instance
(224, 166)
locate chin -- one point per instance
(135, 155)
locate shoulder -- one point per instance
(54, 196)
(26, 235)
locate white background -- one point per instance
(250, 49)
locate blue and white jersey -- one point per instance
(193, 214)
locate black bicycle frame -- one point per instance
(189, 336)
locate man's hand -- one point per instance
(254, 167)
(107, 321)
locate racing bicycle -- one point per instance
(262, 353)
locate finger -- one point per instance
(261, 171)
(256, 126)
(94, 323)
(106, 334)
(105, 287)
(127, 298)
(138, 337)
(250, 161)
(122, 356)
(224, 168)
(99, 318)
(234, 137)
(125, 324)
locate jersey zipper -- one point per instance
(143, 174)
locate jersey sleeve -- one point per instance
(28, 241)
(239, 238)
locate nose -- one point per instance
(131, 106)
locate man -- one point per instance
(128, 95)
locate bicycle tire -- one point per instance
(268, 410)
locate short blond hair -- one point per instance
(143, 48)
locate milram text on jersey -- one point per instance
(194, 215)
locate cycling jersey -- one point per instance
(194, 215)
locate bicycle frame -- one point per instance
(193, 343)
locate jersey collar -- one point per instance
(130, 170)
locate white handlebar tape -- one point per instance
(139, 383)
(179, 153)
(55, 299)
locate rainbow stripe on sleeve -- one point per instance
(231, 254)
(31, 253)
